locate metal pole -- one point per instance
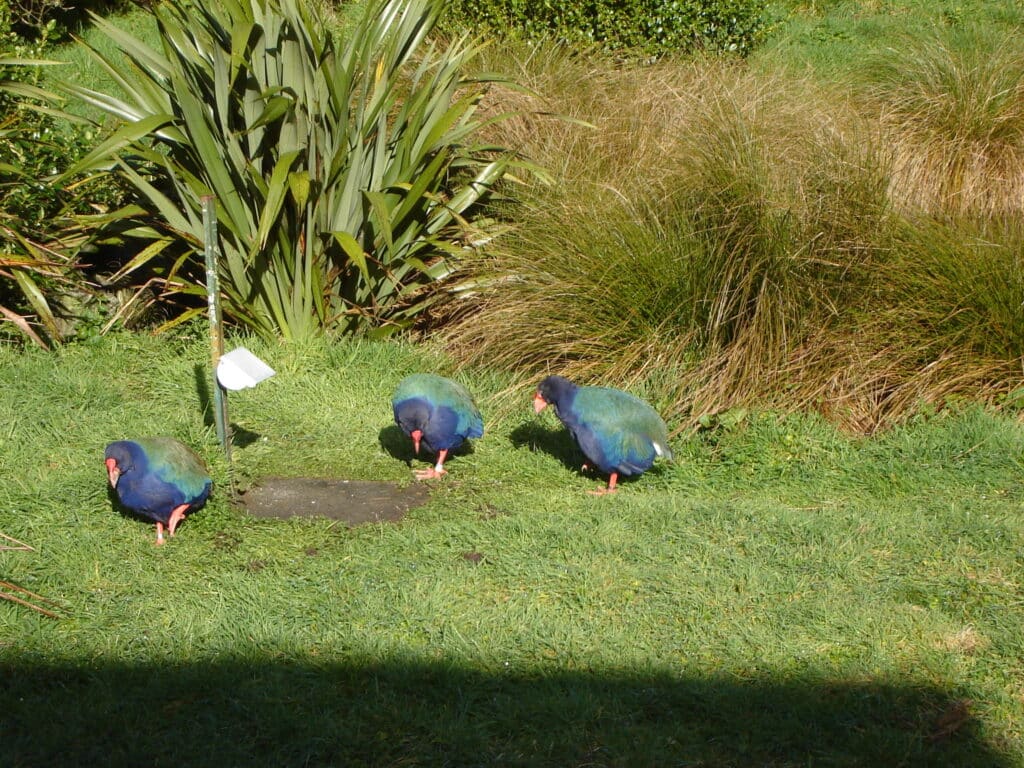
(220, 400)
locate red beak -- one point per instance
(113, 472)
(539, 403)
(417, 435)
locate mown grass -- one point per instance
(780, 595)
(836, 38)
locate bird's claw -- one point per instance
(429, 474)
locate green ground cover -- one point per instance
(780, 595)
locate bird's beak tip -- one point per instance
(113, 472)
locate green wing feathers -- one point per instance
(637, 424)
(176, 463)
(442, 392)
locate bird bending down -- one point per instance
(438, 414)
(618, 433)
(159, 478)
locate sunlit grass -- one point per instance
(835, 39)
(780, 592)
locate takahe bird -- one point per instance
(158, 477)
(619, 433)
(438, 414)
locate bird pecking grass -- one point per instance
(780, 595)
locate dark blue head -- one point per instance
(554, 390)
(123, 457)
(412, 417)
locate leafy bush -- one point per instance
(41, 228)
(651, 27)
(342, 174)
(35, 20)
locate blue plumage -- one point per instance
(618, 432)
(436, 412)
(159, 478)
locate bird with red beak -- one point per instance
(159, 478)
(438, 414)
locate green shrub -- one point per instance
(650, 27)
(343, 174)
(42, 231)
(52, 20)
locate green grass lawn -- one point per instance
(780, 595)
(835, 39)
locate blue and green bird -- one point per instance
(159, 478)
(438, 414)
(618, 432)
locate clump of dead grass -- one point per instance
(715, 237)
(952, 104)
(967, 641)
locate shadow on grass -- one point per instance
(557, 442)
(396, 443)
(203, 392)
(273, 712)
(240, 436)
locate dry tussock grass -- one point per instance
(953, 109)
(966, 641)
(714, 237)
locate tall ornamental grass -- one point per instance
(952, 102)
(345, 173)
(718, 237)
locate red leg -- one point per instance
(612, 479)
(176, 517)
(159, 534)
(436, 471)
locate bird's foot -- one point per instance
(613, 478)
(176, 517)
(429, 474)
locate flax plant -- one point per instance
(345, 174)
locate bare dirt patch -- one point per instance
(352, 501)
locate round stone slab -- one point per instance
(353, 501)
